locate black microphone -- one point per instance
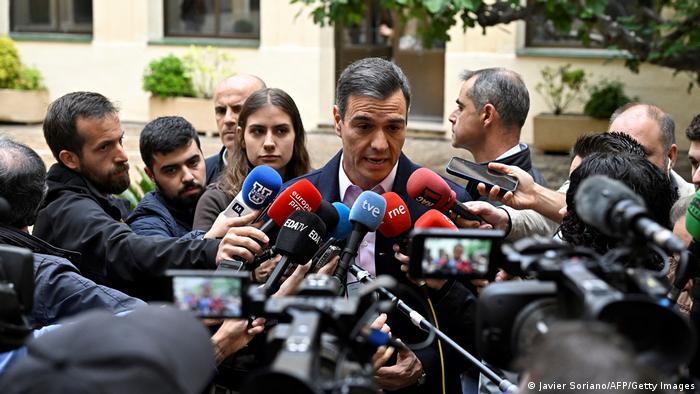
(298, 240)
(365, 215)
(615, 210)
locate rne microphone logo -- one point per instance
(259, 193)
(299, 203)
(398, 211)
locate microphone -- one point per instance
(299, 238)
(615, 210)
(300, 196)
(328, 214)
(687, 267)
(430, 190)
(343, 227)
(337, 235)
(397, 220)
(435, 219)
(259, 188)
(365, 215)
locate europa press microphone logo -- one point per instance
(258, 193)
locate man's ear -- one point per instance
(69, 159)
(673, 156)
(488, 115)
(149, 173)
(337, 118)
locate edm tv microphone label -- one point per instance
(258, 193)
(299, 203)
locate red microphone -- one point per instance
(435, 219)
(397, 218)
(300, 196)
(430, 190)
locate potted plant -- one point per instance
(184, 87)
(557, 131)
(606, 97)
(23, 96)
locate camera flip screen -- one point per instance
(209, 296)
(455, 257)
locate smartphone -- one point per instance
(324, 258)
(465, 253)
(210, 294)
(474, 172)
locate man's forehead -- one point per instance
(639, 126)
(94, 126)
(178, 156)
(366, 105)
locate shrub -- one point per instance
(10, 64)
(606, 97)
(207, 67)
(29, 79)
(167, 77)
(561, 87)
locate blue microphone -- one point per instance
(343, 228)
(365, 216)
(259, 189)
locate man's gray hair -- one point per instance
(502, 88)
(664, 120)
(371, 77)
(22, 182)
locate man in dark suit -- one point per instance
(372, 102)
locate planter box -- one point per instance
(199, 112)
(23, 106)
(558, 133)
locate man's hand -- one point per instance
(263, 271)
(234, 335)
(496, 217)
(525, 196)
(405, 260)
(223, 223)
(383, 353)
(405, 372)
(241, 243)
(291, 285)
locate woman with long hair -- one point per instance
(270, 132)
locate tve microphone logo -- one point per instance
(259, 193)
(372, 209)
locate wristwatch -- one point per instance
(421, 380)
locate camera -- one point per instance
(16, 295)
(446, 253)
(210, 294)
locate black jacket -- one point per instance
(215, 164)
(454, 305)
(75, 216)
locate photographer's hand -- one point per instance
(241, 243)
(234, 335)
(407, 370)
(223, 223)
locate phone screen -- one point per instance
(448, 257)
(480, 173)
(209, 296)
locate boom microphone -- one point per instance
(615, 210)
(365, 215)
(259, 188)
(298, 239)
(430, 190)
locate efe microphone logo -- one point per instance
(259, 193)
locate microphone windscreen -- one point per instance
(596, 195)
(343, 228)
(261, 186)
(368, 210)
(328, 214)
(434, 219)
(300, 236)
(692, 217)
(300, 196)
(397, 218)
(430, 190)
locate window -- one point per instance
(51, 16)
(212, 18)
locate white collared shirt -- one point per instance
(516, 149)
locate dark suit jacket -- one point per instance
(455, 306)
(214, 165)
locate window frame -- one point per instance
(167, 4)
(57, 31)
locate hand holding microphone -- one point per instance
(259, 189)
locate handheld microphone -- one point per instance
(397, 220)
(300, 196)
(299, 237)
(687, 267)
(343, 227)
(615, 210)
(259, 188)
(435, 219)
(365, 215)
(329, 249)
(328, 214)
(430, 190)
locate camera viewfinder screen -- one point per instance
(208, 296)
(456, 256)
